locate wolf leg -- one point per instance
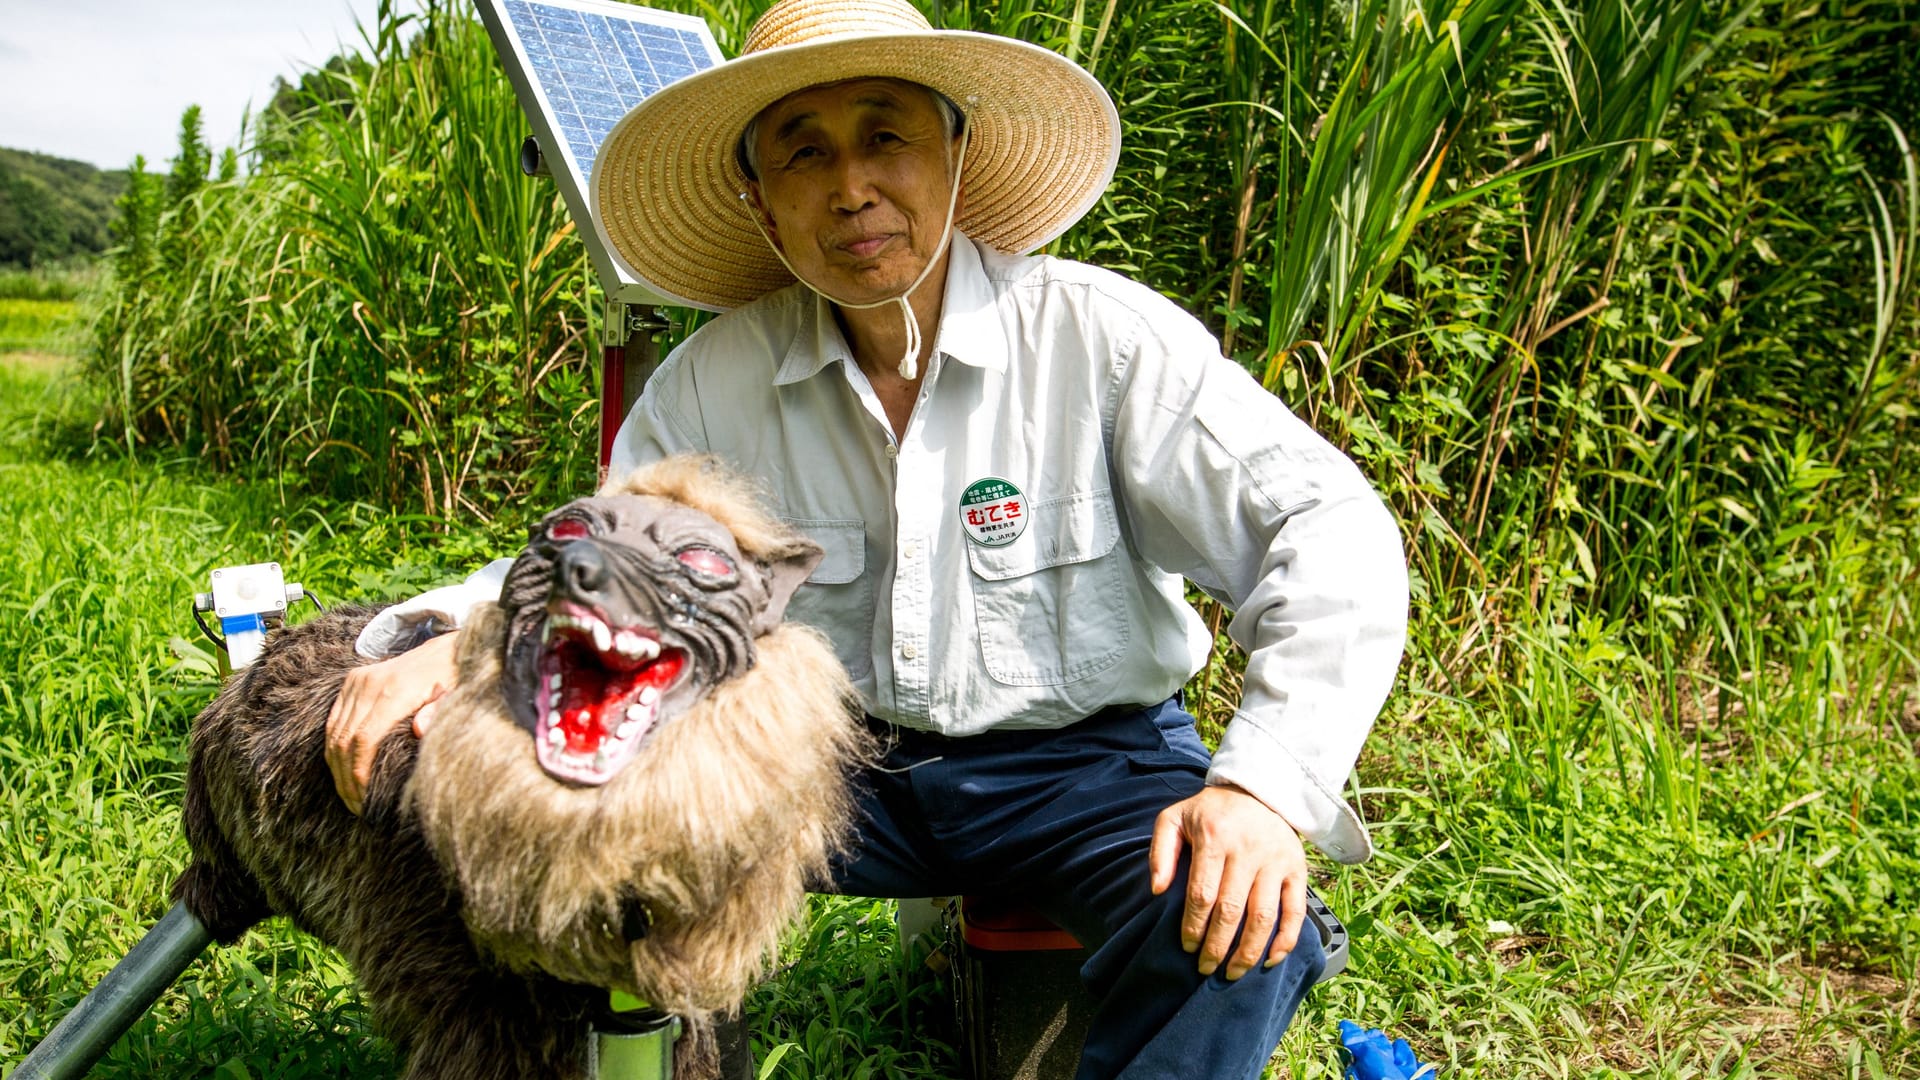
(495, 1025)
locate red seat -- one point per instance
(1003, 924)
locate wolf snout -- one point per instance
(581, 572)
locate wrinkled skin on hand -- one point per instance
(1248, 866)
(623, 611)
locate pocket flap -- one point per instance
(845, 543)
(1069, 529)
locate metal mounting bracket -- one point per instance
(621, 322)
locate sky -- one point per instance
(102, 80)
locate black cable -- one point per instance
(204, 629)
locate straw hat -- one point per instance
(1044, 138)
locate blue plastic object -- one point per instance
(240, 624)
(1375, 1057)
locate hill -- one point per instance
(52, 208)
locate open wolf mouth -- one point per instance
(598, 692)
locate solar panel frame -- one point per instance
(542, 42)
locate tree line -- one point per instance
(54, 210)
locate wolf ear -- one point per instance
(786, 570)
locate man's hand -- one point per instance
(1247, 864)
(373, 700)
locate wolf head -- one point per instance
(622, 613)
(642, 768)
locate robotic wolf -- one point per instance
(638, 774)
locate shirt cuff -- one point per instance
(1251, 758)
(411, 622)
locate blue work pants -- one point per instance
(1062, 820)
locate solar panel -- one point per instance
(577, 67)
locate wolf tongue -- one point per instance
(593, 698)
(587, 692)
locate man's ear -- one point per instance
(758, 208)
(786, 570)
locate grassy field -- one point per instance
(1610, 866)
(1618, 304)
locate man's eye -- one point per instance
(707, 561)
(568, 529)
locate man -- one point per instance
(1012, 462)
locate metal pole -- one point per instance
(640, 1047)
(613, 373)
(94, 1025)
(629, 351)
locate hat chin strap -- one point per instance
(910, 360)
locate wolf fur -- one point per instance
(484, 906)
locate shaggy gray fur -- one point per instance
(472, 878)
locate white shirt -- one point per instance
(1105, 449)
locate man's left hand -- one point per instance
(1247, 865)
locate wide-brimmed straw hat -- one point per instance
(1043, 140)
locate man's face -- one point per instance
(854, 184)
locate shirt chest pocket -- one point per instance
(1050, 607)
(837, 598)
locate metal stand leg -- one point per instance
(638, 1048)
(104, 1015)
(736, 1049)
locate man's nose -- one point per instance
(853, 189)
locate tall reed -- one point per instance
(385, 306)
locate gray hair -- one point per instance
(746, 153)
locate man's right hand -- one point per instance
(374, 699)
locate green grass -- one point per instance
(36, 325)
(97, 687)
(1613, 866)
(1616, 302)
(66, 282)
(1608, 865)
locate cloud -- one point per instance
(100, 82)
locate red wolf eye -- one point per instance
(567, 529)
(707, 561)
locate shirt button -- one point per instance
(910, 550)
(893, 451)
(909, 652)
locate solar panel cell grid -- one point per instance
(577, 67)
(593, 67)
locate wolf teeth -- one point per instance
(637, 717)
(562, 620)
(556, 738)
(635, 646)
(554, 681)
(627, 643)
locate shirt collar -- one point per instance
(969, 330)
(970, 327)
